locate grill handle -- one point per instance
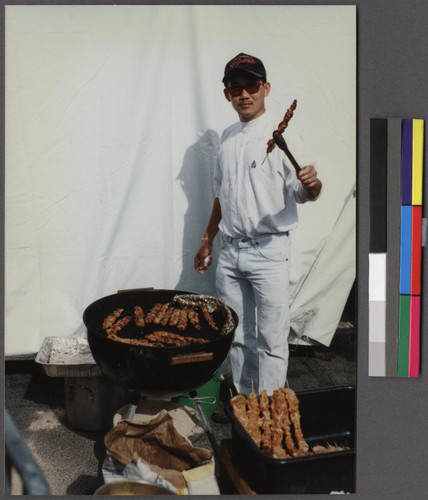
(192, 358)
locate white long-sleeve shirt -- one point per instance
(255, 198)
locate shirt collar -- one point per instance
(248, 127)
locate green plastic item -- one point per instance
(208, 396)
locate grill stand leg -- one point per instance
(208, 431)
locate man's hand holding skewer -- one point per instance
(310, 182)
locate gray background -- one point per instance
(392, 415)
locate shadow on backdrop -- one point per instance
(196, 179)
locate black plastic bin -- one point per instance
(327, 416)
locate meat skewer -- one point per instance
(317, 449)
(139, 316)
(169, 338)
(281, 127)
(152, 314)
(239, 406)
(280, 407)
(160, 314)
(254, 420)
(266, 444)
(275, 425)
(111, 318)
(121, 323)
(209, 318)
(182, 320)
(293, 406)
(278, 450)
(167, 316)
(175, 316)
(179, 338)
(194, 319)
(143, 342)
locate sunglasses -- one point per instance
(251, 89)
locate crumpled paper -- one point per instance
(186, 420)
(157, 443)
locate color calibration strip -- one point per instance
(396, 191)
(411, 250)
(377, 256)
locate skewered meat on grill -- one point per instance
(175, 316)
(121, 323)
(139, 316)
(212, 304)
(160, 314)
(111, 318)
(182, 320)
(167, 316)
(143, 342)
(209, 318)
(159, 339)
(177, 313)
(194, 319)
(152, 314)
(170, 338)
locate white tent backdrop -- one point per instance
(113, 117)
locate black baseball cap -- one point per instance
(244, 62)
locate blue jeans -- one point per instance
(253, 279)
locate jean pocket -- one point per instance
(223, 244)
(277, 251)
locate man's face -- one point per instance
(247, 95)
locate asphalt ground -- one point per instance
(71, 460)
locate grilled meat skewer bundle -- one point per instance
(274, 424)
(280, 410)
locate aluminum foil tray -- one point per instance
(67, 357)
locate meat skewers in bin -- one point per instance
(274, 424)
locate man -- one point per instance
(254, 209)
